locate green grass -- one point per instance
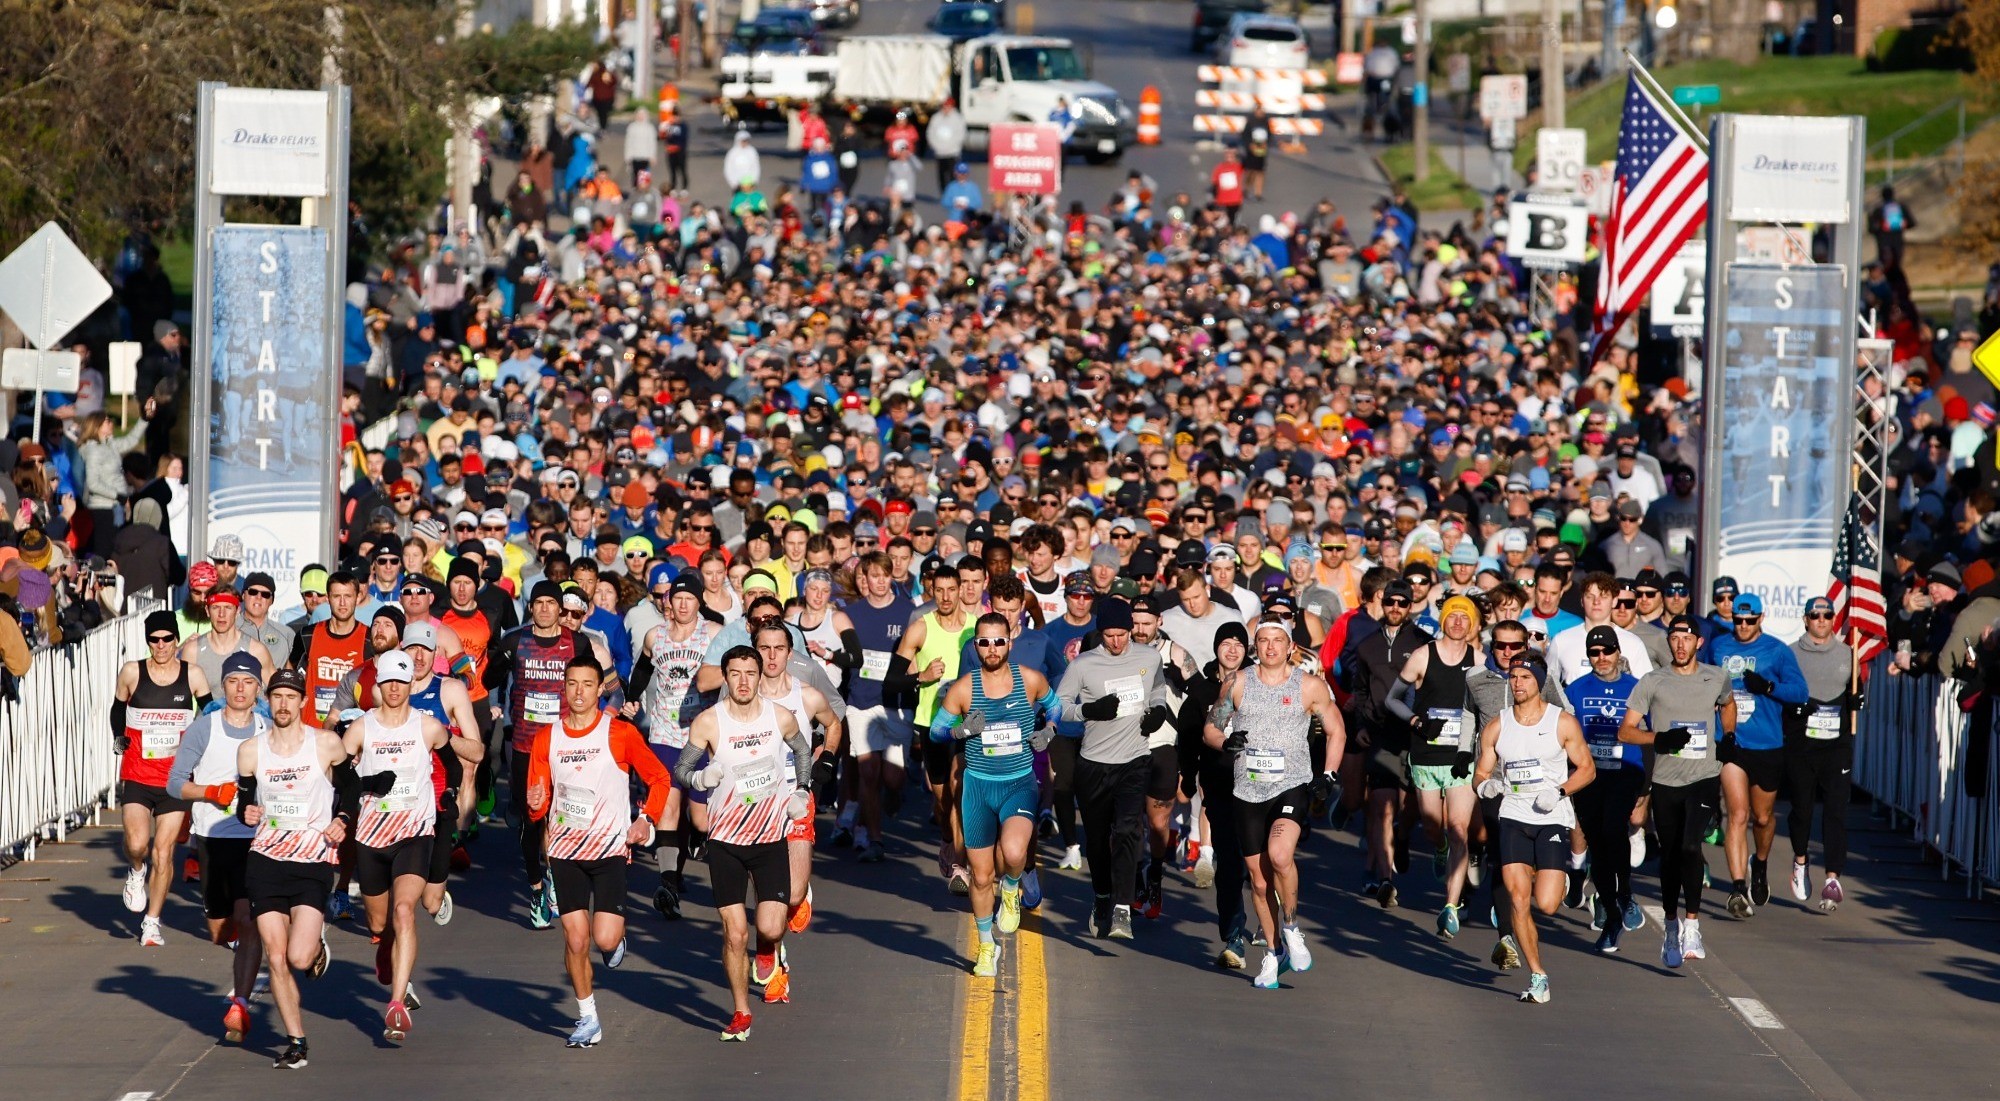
(1443, 190)
(177, 260)
(1791, 86)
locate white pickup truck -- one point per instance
(998, 78)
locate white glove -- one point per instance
(1493, 788)
(709, 777)
(1546, 800)
(1041, 738)
(798, 805)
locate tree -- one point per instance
(97, 130)
(1977, 30)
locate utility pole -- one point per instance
(642, 55)
(1552, 64)
(464, 151)
(1420, 129)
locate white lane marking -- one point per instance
(135, 1096)
(1756, 1013)
(1658, 914)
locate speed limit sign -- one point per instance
(1558, 159)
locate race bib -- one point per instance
(159, 731)
(542, 707)
(157, 744)
(849, 159)
(1131, 692)
(819, 170)
(756, 779)
(575, 805)
(1608, 755)
(1746, 706)
(1450, 721)
(1226, 182)
(404, 796)
(1697, 747)
(1522, 777)
(284, 812)
(1001, 739)
(323, 699)
(1263, 766)
(874, 664)
(1824, 723)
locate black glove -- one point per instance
(1326, 788)
(1101, 708)
(1461, 764)
(380, 783)
(1757, 683)
(246, 796)
(1672, 741)
(823, 771)
(1157, 716)
(447, 812)
(1725, 750)
(1236, 742)
(120, 743)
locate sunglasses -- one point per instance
(1158, 469)
(1395, 602)
(1508, 647)
(701, 527)
(228, 561)
(463, 527)
(635, 554)
(1625, 603)
(161, 640)
(1196, 517)
(1819, 615)
(416, 592)
(1015, 498)
(1600, 651)
(1048, 501)
(1750, 619)
(921, 532)
(989, 643)
(262, 594)
(1121, 535)
(1647, 594)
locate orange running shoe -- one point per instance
(396, 1023)
(802, 914)
(779, 990)
(236, 1021)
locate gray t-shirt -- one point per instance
(1197, 636)
(1665, 699)
(1134, 677)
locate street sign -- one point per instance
(1500, 133)
(1698, 95)
(48, 286)
(1986, 357)
(28, 369)
(1680, 301)
(1347, 68)
(1594, 185)
(124, 367)
(1547, 231)
(1558, 158)
(1458, 74)
(1025, 158)
(1503, 97)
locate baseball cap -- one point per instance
(1631, 509)
(1682, 624)
(1819, 604)
(287, 678)
(1223, 553)
(1077, 584)
(394, 666)
(1514, 540)
(420, 634)
(202, 575)
(1723, 585)
(241, 663)
(313, 581)
(1749, 604)
(1601, 637)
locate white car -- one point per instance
(1255, 41)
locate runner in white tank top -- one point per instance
(807, 706)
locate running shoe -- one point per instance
(1298, 957)
(1760, 883)
(1100, 917)
(339, 907)
(988, 964)
(1045, 826)
(1739, 904)
(410, 1000)
(763, 968)
(1121, 923)
(1448, 923)
(323, 960)
(1670, 945)
(860, 838)
(1691, 945)
(1031, 890)
(293, 1057)
(1440, 861)
(542, 904)
(667, 900)
(1633, 918)
(445, 909)
(191, 870)
(1475, 868)
(135, 890)
(150, 935)
(802, 914)
(1009, 918)
(1234, 952)
(461, 858)
(1714, 835)
(1579, 880)
(1072, 859)
(944, 861)
(615, 958)
(586, 1033)
(1636, 837)
(960, 881)
(1267, 973)
(1385, 893)
(1597, 915)
(1506, 955)
(261, 985)
(1191, 854)
(872, 853)
(779, 990)
(236, 1021)
(1204, 869)
(1801, 889)
(1607, 941)
(1154, 902)
(738, 1028)
(1538, 989)
(1830, 895)
(396, 1023)
(843, 838)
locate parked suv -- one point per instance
(1211, 18)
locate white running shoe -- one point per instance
(150, 935)
(443, 916)
(1801, 890)
(1267, 973)
(1297, 956)
(135, 890)
(1637, 837)
(1691, 945)
(861, 839)
(1072, 859)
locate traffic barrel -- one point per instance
(670, 102)
(1149, 116)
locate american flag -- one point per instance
(1856, 590)
(1658, 200)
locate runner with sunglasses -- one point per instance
(155, 701)
(1819, 752)
(1767, 679)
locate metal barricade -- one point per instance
(1911, 747)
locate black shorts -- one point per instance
(1545, 847)
(375, 869)
(1386, 770)
(223, 864)
(1765, 767)
(596, 885)
(939, 758)
(278, 886)
(1163, 781)
(154, 799)
(1255, 820)
(733, 869)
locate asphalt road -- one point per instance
(1132, 43)
(1896, 996)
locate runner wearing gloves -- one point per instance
(1430, 695)
(1767, 680)
(1819, 751)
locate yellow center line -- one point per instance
(975, 1064)
(1033, 1011)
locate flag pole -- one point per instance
(1667, 100)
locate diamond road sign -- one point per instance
(48, 286)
